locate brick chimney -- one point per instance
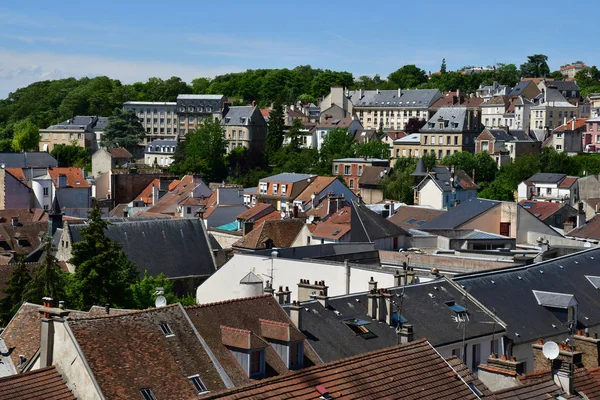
(398, 278)
(589, 346)
(580, 215)
(306, 290)
(323, 299)
(49, 316)
(269, 288)
(283, 296)
(410, 275)
(501, 373)
(406, 334)
(296, 314)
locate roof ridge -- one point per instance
(278, 323)
(132, 312)
(218, 303)
(232, 329)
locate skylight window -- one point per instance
(421, 222)
(359, 327)
(410, 221)
(147, 394)
(166, 329)
(336, 233)
(455, 307)
(198, 384)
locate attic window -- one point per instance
(359, 327)
(198, 384)
(166, 329)
(335, 233)
(410, 221)
(421, 222)
(594, 280)
(147, 394)
(455, 307)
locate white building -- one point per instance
(159, 118)
(557, 188)
(160, 152)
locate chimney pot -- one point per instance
(61, 304)
(595, 335)
(540, 341)
(503, 357)
(513, 358)
(579, 332)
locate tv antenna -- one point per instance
(274, 255)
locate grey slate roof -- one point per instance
(554, 300)
(455, 119)
(238, 116)
(101, 124)
(368, 226)
(28, 159)
(544, 177)
(513, 135)
(287, 177)
(423, 306)
(518, 89)
(250, 278)
(175, 247)
(420, 98)
(359, 159)
(420, 170)
(160, 142)
(564, 85)
(456, 216)
(442, 177)
(527, 318)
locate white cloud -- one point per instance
(21, 69)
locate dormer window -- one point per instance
(247, 348)
(286, 340)
(275, 187)
(198, 384)
(166, 329)
(147, 394)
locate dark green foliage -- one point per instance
(15, 287)
(407, 77)
(371, 149)
(336, 144)
(443, 66)
(274, 139)
(103, 274)
(72, 156)
(203, 152)
(535, 67)
(26, 136)
(399, 184)
(124, 129)
(482, 163)
(588, 81)
(47, 280)
(143, 292)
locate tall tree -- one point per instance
(408, 77)
(535, 67)
(507, 74)
(274, 138)
(15, 288)
(203, 152)
(143, 292)
(103, 274)
(48, 279)
(124, 129)
(443, 66)
(372, 149)
(414, 125)
(293, 136)
(26, 136)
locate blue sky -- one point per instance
(132, 40)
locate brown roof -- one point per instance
(467, 375)
(450, 99)
(341, 217)
(120, 152)
(18, 174)
(146, 194)
(373, 175)
(253, 315)
(41, 384)
(395, 135)
(545, 389)
(272, 216)
(591, 229)
(74, 176)
(328, 230)
(412, 371)
(169, 202)
(578, 123)
(23, 331)
(130, 352)
(319, 184)
(415, 215)
(567, 182)
(24, 238)
(24, 215)
(327, 122)
(281, 232)
(584, 381)
(541, 209)
(258, 210)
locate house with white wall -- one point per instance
(444, 187)
(558, 188)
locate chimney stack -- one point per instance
(410, 276)
(406, 334)
(323, 299)
(399, 92)
(500, 373)
(372, 300)
(385, 308)
(306, 290)
(372, 285)
(49, 316)
(14, 221)
(269, 288)
(580, 215)
(397, 278)
(296, 315)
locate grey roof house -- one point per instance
(245, 126)
(28, 160)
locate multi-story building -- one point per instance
(158, 118)
(160, 152)
(352, 124)
(568, 136)
(522, 112)
(556, 188)
(245, 126)
(193, 108)
(281, 190)
(336, 104)
(493, 111)
(549, 112)
(352, 168)
(391, 109)
(504, 145)
(444, 187)
(591, 136)
(569, 70)
(408, 146)
(449, 131)
(569, 89)
(79, 130)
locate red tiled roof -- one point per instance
(17, 173)
(282, 233)
(316, 186)
(568, 182)
(265, 112)
(373, 176)
(449, 99)
(541, 209)
(120, 152)
(177, 193)
(41, 384)
(24, 215)
(545, 389)
(258, 209)
(411, 371)
(572, 125)
(246, 314)
(272, 216)
(328, 230)
(584, 381)
(340, 217)
(74, 176)
(146, 194)
(591, 229)
(467, 375)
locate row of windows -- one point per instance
(162, 149)
(153, 110)
(415, 153)
(406, 113)
(234, 134)
(567, 114)
(199, 109)
(590, 127)
(263, 188)
(441, 140)
(347, 169)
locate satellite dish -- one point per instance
(161, 301)
(310, 219)
(282, 214)
(550, 350)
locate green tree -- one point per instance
(408, 77)
(15, 287)
(443, 66)
(557, 76)
(588, 80)
(293, 136)
(398, 185)
(203, 152)
(72, 156)
(274, 139)
(103, 274)
(200, 85)
(507, 74)
(535, 67)
(48, 279)
(26, 136)
(143, 292)
(486, 168)
(337, 143)
(371, 149)
(124, 129)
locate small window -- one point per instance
(455, 307)
(147, 394)
(189, 210)
(198, 384)
(166, 329)
(255, 363)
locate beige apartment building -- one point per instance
(246, 127)
(79, 131)
(193, 108)
(551, 111)
(158, 118)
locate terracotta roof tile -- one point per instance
(415, 370)
(17, 173)
(246, 315)
(144, 354)
(591, 229)
(541, 209)
(120, 152)
(569, 126)
(328, 230)
(75, 178)
(467, 375)
(327, 121)
(24, 215)
(281, 232)
(410, 217)
(178, 192)
(545, 389)
(272, 216)
(41, 384)
(373, 176)
(258, 210)
(317, 186)
(568, 182)
(343, 216)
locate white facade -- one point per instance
(224, 283)
(158, 118)
(43, 191)
(548, 192)
(431, 195)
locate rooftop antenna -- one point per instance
(399, 324)
(274, 255)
